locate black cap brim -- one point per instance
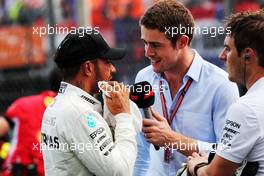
(114, 54)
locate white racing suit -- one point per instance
(77, 141)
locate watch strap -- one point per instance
(197, 166)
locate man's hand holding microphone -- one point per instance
(155, 127)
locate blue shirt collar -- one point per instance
(195, 68)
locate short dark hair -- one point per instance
(55, 78)
(247, 30)
(167, 14)
(68, 73)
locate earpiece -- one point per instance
(247, 56)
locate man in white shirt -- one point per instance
(76, 138)
(243, 134)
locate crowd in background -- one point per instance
(118, 22)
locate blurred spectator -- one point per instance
(210, 42)
(123, 8)
(98, 13)
(125, 15)
(25, 12)
(4, 147)
(3, 12)
(244, 5)
(68, 12)
(261, 3)
(66, 8)
(25, 117)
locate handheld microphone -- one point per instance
(143, 96)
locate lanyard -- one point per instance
(167, 152)
(178, 103)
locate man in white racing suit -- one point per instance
(76, 138)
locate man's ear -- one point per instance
(88, 68)
(248, 54)
(183, 41)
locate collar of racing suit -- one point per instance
(69, 89)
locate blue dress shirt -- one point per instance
(200, 116)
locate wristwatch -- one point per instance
(197, 166)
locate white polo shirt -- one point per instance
(243, 133)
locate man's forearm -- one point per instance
(202, 171)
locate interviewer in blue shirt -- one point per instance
(193, 94)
